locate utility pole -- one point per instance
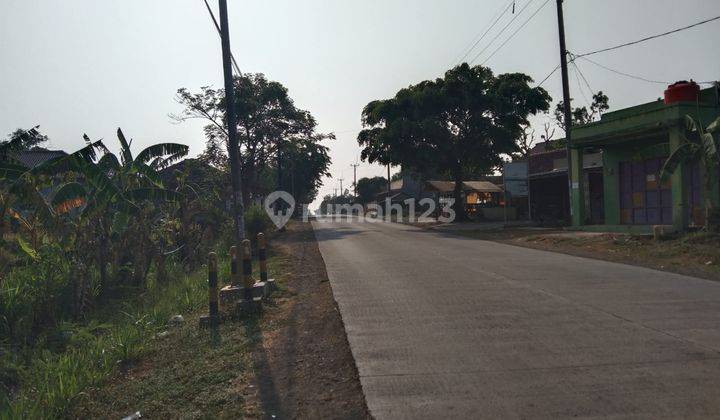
(388, 171)
(355, 166)
(566, 99)
(341, 188)
(233, 146)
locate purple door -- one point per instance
(644, 200)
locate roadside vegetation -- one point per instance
(100, 251)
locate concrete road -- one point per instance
(448, 327)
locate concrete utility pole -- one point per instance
(566, 99)
(341, 188)
(233, 146)
(355, 166)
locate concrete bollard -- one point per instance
(234, 274)
(268, 284)
(247, 280)
(233, 292)
(262, 256)
(250, 303)
(213, 317)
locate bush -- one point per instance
(256, 221)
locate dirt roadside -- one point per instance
(694, 254)
(302, 360)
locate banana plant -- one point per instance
(697, 144)
(120, 183)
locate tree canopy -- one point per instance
(460, 124)
(273, 134)
(368, 188)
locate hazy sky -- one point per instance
(90, 66)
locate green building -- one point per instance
(634, 143)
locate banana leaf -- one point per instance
(126, 157)
(173, 150)
(686, 152)
(152, 194)
(70, 196)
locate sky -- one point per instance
(89, 66)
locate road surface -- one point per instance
(449, 327)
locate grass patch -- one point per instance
(116, 364)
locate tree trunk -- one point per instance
(459, 205)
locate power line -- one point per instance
(497, 19)
(580, 88)
(548, 76)
(516, 31)
(650, 37)
(632, 76)
(577, 68)
(501, 31)
(217, 26)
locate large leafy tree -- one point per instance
(368, 188)
(268, 122)
(460, 124)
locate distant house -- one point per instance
(483, 199)
(402, 189)
(35, 157)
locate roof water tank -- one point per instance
(682, 91)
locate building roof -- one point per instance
(35, 157)
(481, 186)
(468, 186)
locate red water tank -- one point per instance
(682, 91)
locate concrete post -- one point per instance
(262, 257)
(247, 269)
(577, 187)
(212, 289)
(234, 272)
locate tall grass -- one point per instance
(44, 374)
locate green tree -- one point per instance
(583, 115)
(460, 124)
(368, 188)
(268, 124)
(22, 139)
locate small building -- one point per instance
(634, 144)
(483, 199)
(548, 184)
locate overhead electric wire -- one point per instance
(577, 68)
(515, 33)
(501, 31)
(497, 19)
(548, 76)
(650, 37)
(217, 26)
(632, 76)
(580, 88)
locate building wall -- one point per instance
(613, 156)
